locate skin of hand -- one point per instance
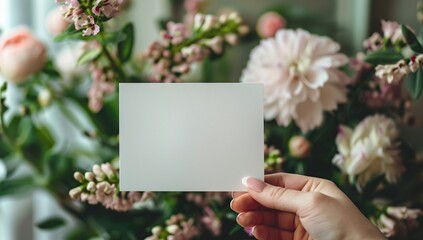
(290, 206)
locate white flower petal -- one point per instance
(343, 139)
(369, 150)
(336, 60)
(316, 78)
(286, 64)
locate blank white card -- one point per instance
(190, 136)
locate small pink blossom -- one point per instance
(87, 23)
(374, 42)
(212, 222)
(392, 30)
(102, 85)
(269, 23)
(176, 32)
(109, 8)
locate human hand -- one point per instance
(291, 206)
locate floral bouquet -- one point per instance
(326, 115)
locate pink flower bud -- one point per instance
(198, 20)
(21, 55)
(75, 193)
(234, 16)
(299, 147)
(243, 29)
(89, 176)
(91, 187)
(210, 22)
(269, 23)
(216, 44)
(44, 97)
(107, 168)
(156, 230)
(78, 176)
(172, 229)
(231, 38)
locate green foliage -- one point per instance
(72, 34)
(125, 46)
(50, 70)
(383, 56)
(89, 56)
(415, 83)
(51, 223)
(411, 39)
(13, 186)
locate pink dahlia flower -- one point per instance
(300, 75)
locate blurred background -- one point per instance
(348, 22)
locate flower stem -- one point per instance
(115, 65)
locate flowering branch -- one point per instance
(180, 47)
(102, 186)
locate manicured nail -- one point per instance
(232, 202)
(253, 184)
(237, 218)
(253, 230)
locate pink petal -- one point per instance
(309, 115)
(331, 95)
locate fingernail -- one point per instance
(237, 218)
(232, 202)
(253, 184)
(232, 194)
(253, 230)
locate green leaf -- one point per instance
(50, 70)
(5, 149)
(415, 83)
(26, 132)
(56, 166)
(411, 39)
(125, 46)
(72, 34)
(43, 134)
(111, 37)
(89, 56)
(3, 107)
(383, 57)
(51, 223)
(16, 185)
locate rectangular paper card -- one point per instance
(190, 136)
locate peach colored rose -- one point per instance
(269, 23)
(21, 55)
(55, 21)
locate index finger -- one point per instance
(287, 180)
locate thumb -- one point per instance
(275, 197)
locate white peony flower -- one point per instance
(300, 75)
(369, 150)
